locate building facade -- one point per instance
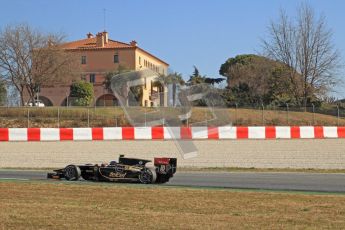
(100, 55)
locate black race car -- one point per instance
(125, 170)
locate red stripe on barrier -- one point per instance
(157, 133)
(97, 134)
(66, 134)
(270, 132)
(34, 134)
(213, 133)
(128, 133)
(242, 132)
(318, 132)
(295, 132)
(4, 134)
(341, 132)
(186, 133)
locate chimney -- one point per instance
(89, 35)
(99, 40)
(105, 37)
(133, 43)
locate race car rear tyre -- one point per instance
(72, 172)
(148, 176)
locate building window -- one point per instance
(116, 58)
(83, 77)
(139, 60)
(83, 59)
(92, 78)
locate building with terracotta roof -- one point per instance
(100, 55)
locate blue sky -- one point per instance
(182, 32)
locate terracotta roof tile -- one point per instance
(90, 43)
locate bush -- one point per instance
(82, 92)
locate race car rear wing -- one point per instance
(166, 165)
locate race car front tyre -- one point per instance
(148, 176)
(51, 175)
(72, 172)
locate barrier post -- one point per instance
(236, 106)
(287, 113)
(338, 113)
(88, 117)
(206, 117)
(28, 116)
(163, 120)
(262, 114)
(312, 104)
(58, 117)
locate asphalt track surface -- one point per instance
(312, 182)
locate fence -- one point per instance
(55, 117)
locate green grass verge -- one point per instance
(31, 205)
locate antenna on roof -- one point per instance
(104, 12)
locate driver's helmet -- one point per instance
(112, 163)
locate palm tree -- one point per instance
(110, 75)
(173, 79)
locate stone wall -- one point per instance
(309, 153)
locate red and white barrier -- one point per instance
(168, 133)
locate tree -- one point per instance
(135, 93)
(110, 75)
(171, 78)
(29, 59)
(305, 45)
(127, 85)
(135, 96)
(174, 79)
(196, 78)
(203, 84)
(257, 79)
(81, 93)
